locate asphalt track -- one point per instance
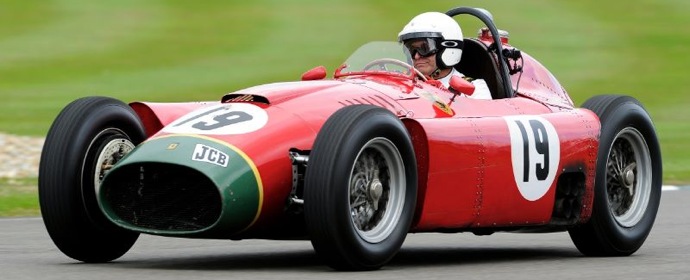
(26, 252)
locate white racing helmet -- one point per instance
(443, 34)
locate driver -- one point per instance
(434, 41)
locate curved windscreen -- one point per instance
(377, 56)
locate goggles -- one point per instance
(424, 47)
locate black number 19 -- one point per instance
(220, 120)
(541, 144)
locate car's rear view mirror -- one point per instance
(461, 85)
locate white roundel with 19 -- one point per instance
(231, 118)
(535, 154)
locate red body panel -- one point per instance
(470, 179)
(466, 171)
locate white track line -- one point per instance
(669, 188)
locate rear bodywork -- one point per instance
(232, 168)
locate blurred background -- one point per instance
(54, 51)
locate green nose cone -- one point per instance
(188, 186)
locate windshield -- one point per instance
(366, 56)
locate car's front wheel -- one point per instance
(360, 188)
(86, 139)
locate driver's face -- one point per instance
(426, 65)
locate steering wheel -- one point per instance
(382, 62)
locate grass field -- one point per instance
(18, 197)
(52, 52)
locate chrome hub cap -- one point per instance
(375, 192)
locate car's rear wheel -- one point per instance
(360, 188)
(86, 139)
(627, 187)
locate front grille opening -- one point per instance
(161, 196)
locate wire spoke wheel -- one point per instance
(627, 183)
(86, 139)
(112, 152)
(376, 190)
(360, 188)
(629, 177)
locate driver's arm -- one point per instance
(481, 90)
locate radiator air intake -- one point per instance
(163, 197)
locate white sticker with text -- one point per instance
(210, 155)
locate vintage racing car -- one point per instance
(356, 162)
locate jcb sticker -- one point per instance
(211, 155)
(535, 154)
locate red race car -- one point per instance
(356, 162)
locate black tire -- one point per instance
(354, 142)
(67, 176)
(627, 187)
